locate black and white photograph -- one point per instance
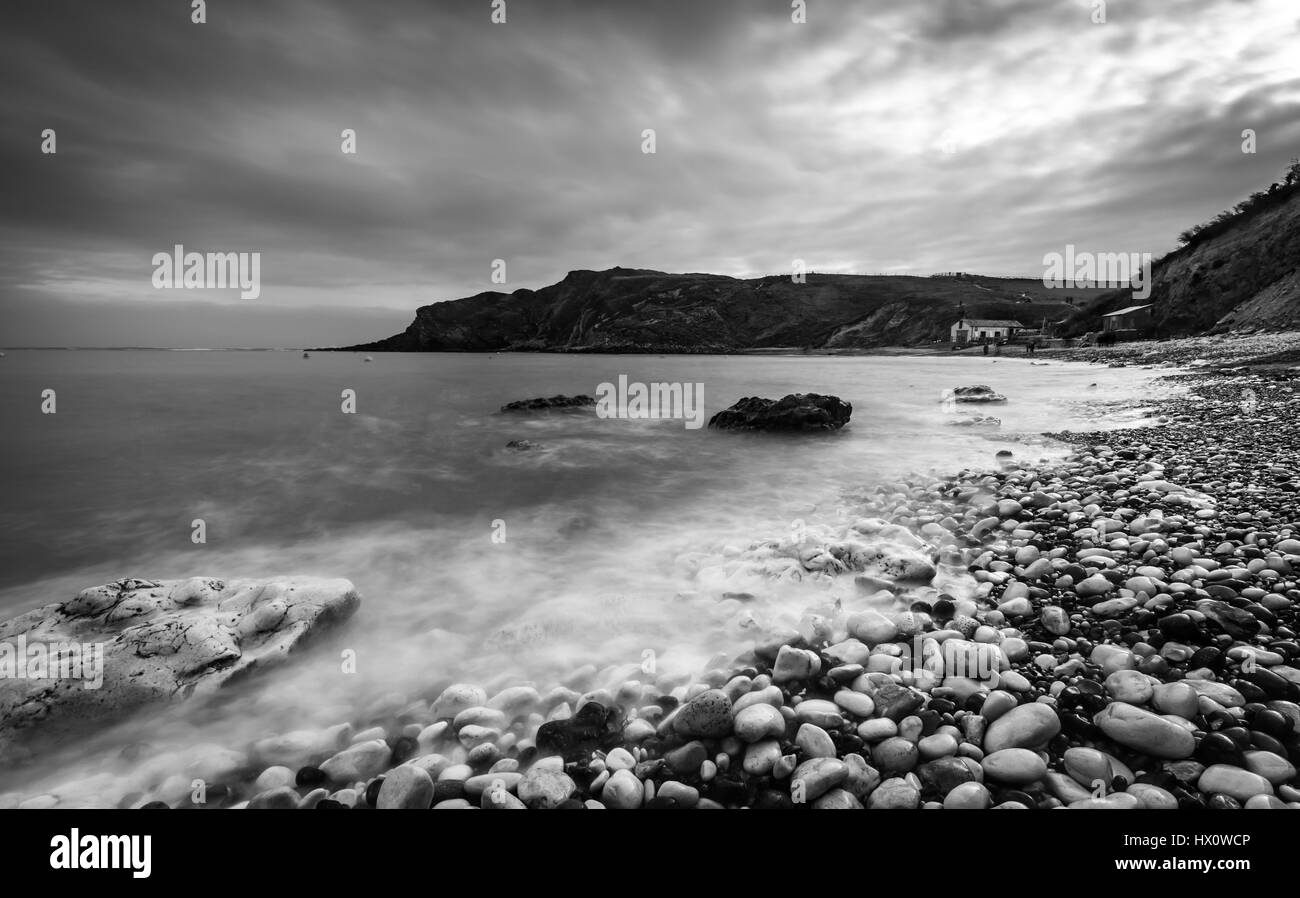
(781, 405)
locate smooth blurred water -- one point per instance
(401, 497)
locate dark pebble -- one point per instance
(772, 800)
(1179, 626)
(1274, 723)
(846, 743)
(1206, 656)
(447, 790)
(1218, 748)
(1265, 742)
(728, 791)
(1273, 685)
(1249, 690)
(310, 777)
(404, 748)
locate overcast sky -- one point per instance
(909, 136)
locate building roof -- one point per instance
(991, 322)
(1127, 311)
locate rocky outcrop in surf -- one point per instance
(120, 647)
(801, 412)
(543, 403)
(978, 393)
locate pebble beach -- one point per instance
(1129, 643)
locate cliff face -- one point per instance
(632, 310)
(1246, 278)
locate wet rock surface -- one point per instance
(543, 403)
(158, 641)
(795, 413)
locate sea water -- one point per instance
(475, 562)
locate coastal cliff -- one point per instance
(635, 310)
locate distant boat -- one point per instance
(368, 359)
(306, 355)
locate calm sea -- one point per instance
(606, 523)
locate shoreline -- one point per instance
(1163, 654)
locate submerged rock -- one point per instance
(975, 421)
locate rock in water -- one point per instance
(975, 421)
(797, 412)
(545, 404)
(977, 393)
(162, 641)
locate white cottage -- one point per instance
(983, 330)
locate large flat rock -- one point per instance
(161, 642)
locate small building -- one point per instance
(983, 330)
(1134, 318)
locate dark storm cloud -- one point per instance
(776, 141)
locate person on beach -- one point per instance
(986, 348)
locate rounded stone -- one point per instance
(815, 777)
(1141, 730)
(895, 755)
(1055, 620)
(406, 787)
(1088, 765)
(968, 796)
(708, 715)
(837, 800)
(1129, 686)
(622, 791)
(1025, 726)
(758, 722)
(1153, 798)
(544, 788)
(1176, 698)
(814, 742)
(1242, 785)
(895, 794)
(1015, 766)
